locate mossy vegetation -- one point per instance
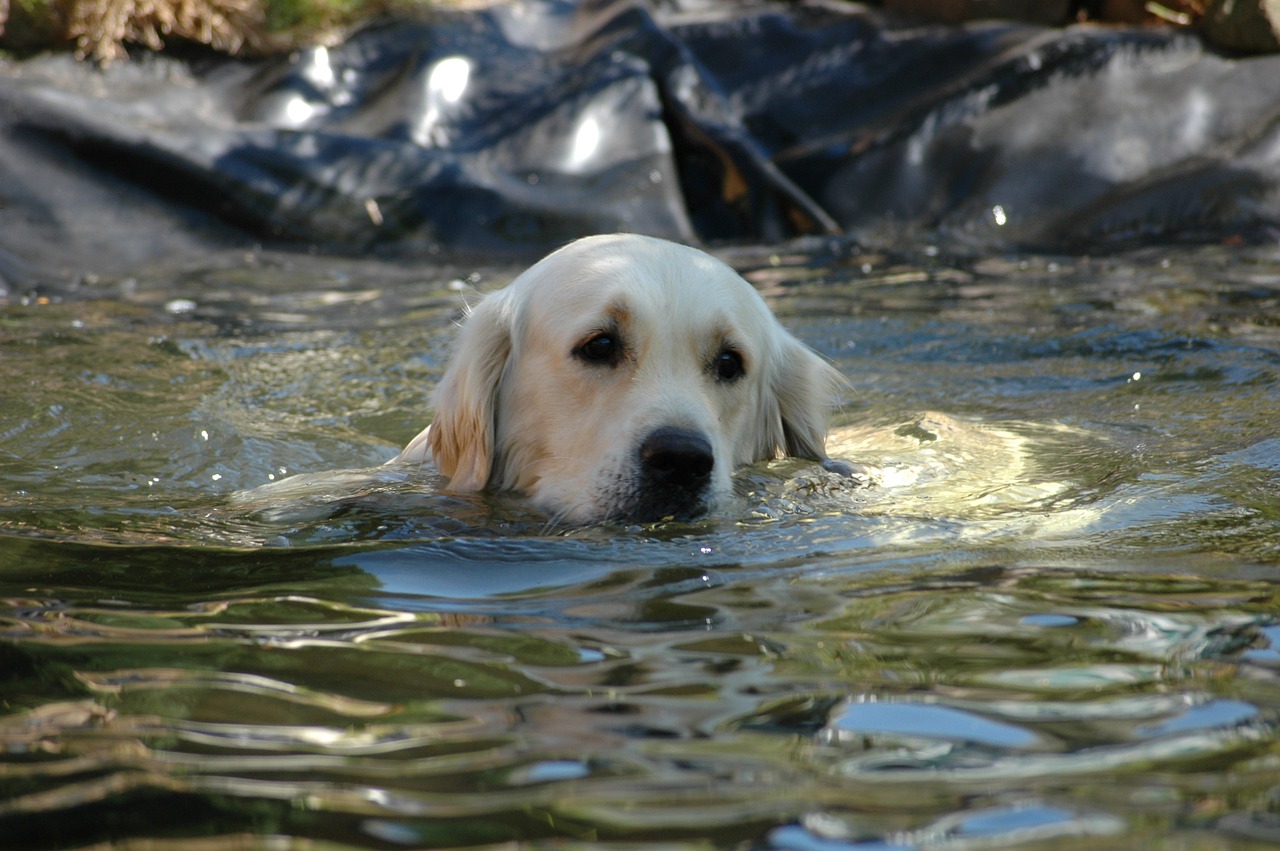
(30, 24)
(102, 29)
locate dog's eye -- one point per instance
(603, 349)
(729, 365)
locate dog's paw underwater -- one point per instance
(929, 467)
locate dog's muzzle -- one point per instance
(675, 474)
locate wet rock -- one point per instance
(1123, 11)
(1248, 26)
(954, 11)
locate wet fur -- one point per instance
(516, 411)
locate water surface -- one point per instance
(1051, 620)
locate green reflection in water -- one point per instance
(1064, 582)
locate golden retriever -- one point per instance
(627, 378)
(623, 377)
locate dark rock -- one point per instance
(1049, 12)
(1248, 26)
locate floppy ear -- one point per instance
(462, 434)
(804, 392)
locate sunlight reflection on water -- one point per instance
(1045, 611)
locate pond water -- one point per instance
(1050, 619)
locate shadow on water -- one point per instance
(1046, 612)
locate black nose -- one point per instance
(678, 459)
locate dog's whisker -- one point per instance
(553, 523)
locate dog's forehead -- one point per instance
(669, 283)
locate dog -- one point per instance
(624, 377)
(627, 378)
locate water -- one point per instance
(1051, 620)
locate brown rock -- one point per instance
(955, 11)
(1250, 26)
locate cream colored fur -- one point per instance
(520, 410)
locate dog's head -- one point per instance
(625, 377)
